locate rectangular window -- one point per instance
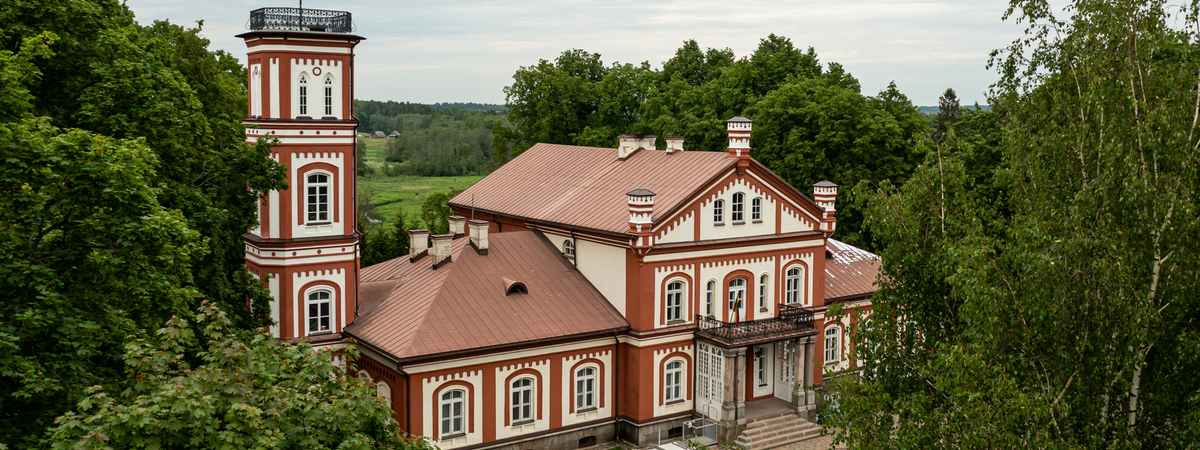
(303, 100)
(318, 311)
(328, 101)
(673, 382)
(719, 211)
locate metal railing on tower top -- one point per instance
(300, 19)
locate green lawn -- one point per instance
(375, 149)
(390, 194)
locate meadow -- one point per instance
(404, 192)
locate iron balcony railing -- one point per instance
(299, 19)
(793, 321)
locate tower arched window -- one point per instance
(756, 208)
(453, 403)
(710, 297)
(673, 382)
(674, 304)
(794, 276)
(318, 197)
(719, 211)
(522, 400)
(585, 388)
(320, 305)
(303, 94)
(736, 208)
(329, 95)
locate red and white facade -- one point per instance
(305, 248)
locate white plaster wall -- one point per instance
(256, 89)
(661, 409)
(787, 262)
(717, 271)
(336, 277)
(316, 86)
(474, 408)
(708, 229)
(273, 286)
(604, 266)
(334, 227)
(274, 91)
(672, 272)
(682, 230)
(568, 380)
(794, 220)
(503, 397)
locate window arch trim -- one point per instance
(537, 397)
(334, 188)
(599, 366)
(750, 294)
(468, 406)
(335, 312)
(804, 299)
(684, 378)
(685, 309)
(833, 331)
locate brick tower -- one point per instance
(301, 91)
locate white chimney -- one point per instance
(641, 207)
(629, 143)
(479, 235)
(418, 244)
(441, 249)
(674, 144)
(457, 223)
(825, 196)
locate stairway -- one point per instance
(777, 430)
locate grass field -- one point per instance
(391, 194)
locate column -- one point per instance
(798, 386)
(733, 403)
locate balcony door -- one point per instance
(737, 301)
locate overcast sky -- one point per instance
(467, 51)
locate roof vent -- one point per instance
(512, 287)
(828, 254)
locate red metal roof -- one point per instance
(587, 186)
(851, 271)
(462, 305)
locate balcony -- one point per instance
(793, 321)
(299, 19)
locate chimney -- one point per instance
(825, 195)
(629, 143)
(641, 206)
(674, 144)
(441, 249)
(739, 141)
(418, 244)
(479, 235)
(457, 223)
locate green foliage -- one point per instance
(1039, 285)
(810, 124)
(435, 211)
(89, 256)
(433, 141)
(245, 391)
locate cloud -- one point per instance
(467, 51)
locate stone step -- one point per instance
(790, 428)
(777, 431)
(771, 420)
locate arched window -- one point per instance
(318, 197)
(793, 285)
(319, 307)
(303, 94)
(673, 382)
(364, 378)
(756, 208)
(384, 391)
(762, 291)
(709, 297)
(585, 388)
(522, 400)
(832, 353)
(674, 306)
(719, 211)
(739, 202)
(329, 95)
(569, 249)
(453, 404)
(737, 299)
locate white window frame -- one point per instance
(312, 206)
(585, 398)
(795, 277)
(673, 302)
(737, 207)
(719, 211)
(329, 95)
(733, 297)
(310, 302)
(832, 350)
(522, 409)
(303, 94)
(756, 208)
(569, 249)
(764, 289)
(673, 381)
(447, 418)
(710, 297)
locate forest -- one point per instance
(437, 140)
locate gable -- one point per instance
(782, 209)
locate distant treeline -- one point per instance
(933, 110)
(434, 140)
(365, 109)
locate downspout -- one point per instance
(407, 401)
(616, 382)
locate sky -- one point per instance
(468, 50)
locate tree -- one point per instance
(245, 390)
(948, 113)
(1069, 321)
(88, 256)
(435, 211)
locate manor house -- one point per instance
(582, 295)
